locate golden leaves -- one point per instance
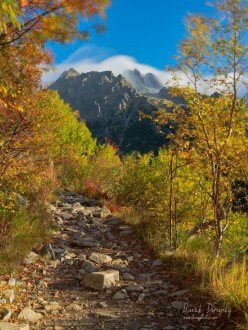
(23, 3)
(8, 13)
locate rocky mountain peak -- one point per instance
(111, 107)
(69, 74)
(145, 83)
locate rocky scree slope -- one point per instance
(95, 274)
(111, 107)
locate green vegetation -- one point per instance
(26, 229)
(138, 190)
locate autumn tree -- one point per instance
(45, 20)
(212, 129)
(25, 27)
(47, 146)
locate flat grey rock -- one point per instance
(146, 275)
(177, 304)
(120, 295)
(100, 258)
(128, 277)
(161, 292)
(66, 216)
(157, 262)
(86, 243)
(88, 266)
(102, 304)
(134, 287)
(178, 293)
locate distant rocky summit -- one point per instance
(111, 106)
(145, 83)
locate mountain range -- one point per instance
(111, 106)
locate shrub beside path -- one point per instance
(96, 274)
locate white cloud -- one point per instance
(89, 51)
(92, 58)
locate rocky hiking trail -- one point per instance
(96, 274)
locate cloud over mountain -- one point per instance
(92, 58)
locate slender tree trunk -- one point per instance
(171, 199)
(218, 210)
(175, 222)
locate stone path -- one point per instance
(97, 275)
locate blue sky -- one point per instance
(148, 30)
(143, 31)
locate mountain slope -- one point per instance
(111, 108)
(165, 94)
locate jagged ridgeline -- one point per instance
(144, 83)
(111, 106)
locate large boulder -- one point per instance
(101, 280)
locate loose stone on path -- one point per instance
(27, 314)
(99, 258)
(101, 280)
